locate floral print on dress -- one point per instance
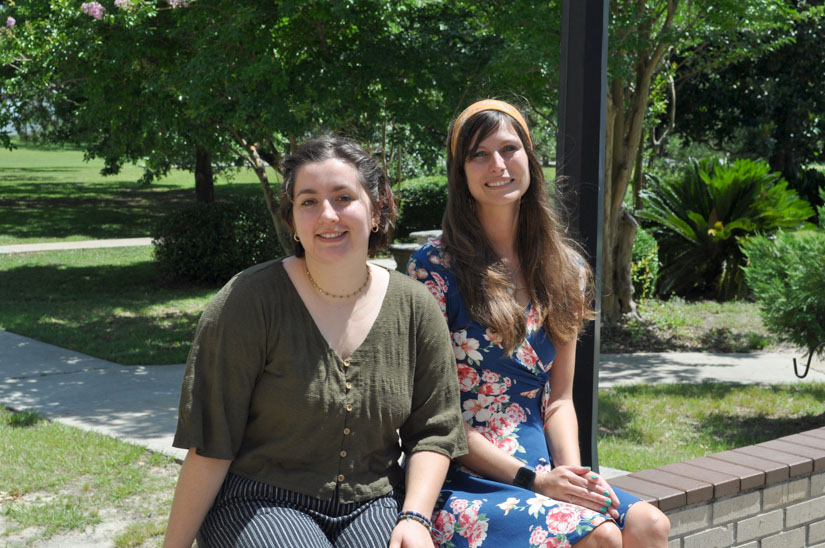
(464, 522)
(503, 397)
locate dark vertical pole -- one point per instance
(580, 161)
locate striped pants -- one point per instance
(250, 514)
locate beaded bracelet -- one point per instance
(415, 516)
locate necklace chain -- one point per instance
(348, 295)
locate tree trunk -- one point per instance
(204, 179)
(284, 234)
(627, 103)
(783, 160)
(259, 167)
(638, 178)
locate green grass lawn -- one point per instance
(57, 479)
(645, 426)
(50, 194)
(108, 303)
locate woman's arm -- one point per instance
(199, 482)
(426, 471)
(487, 460)
(561, 427)
(569, 480)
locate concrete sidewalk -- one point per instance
(139, 403)
(84, 244)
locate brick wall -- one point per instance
(763, 496)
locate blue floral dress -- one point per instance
(503, 397)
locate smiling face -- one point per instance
(498, 172)
(331, 211)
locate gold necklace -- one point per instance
(347, 296)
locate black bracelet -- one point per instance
(415, 516)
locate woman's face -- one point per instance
(331, 211)
(498, 173)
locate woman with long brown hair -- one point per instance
(515, 294)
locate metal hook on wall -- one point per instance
(808, 365)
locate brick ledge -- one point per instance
(705, 479)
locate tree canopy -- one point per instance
(217, 82)
(768, 104)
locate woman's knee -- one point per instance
(645, 521)
(606, 535)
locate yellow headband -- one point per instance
(487, 104)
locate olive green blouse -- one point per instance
(263, 388)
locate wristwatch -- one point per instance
(525, 477)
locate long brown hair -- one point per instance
(558, 278)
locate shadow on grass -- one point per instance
(34, 210)
(124, 314)
(735, 429)
(740, 431)
(725, 339)
(45, 210)
(615, 420)
(644, 336)
(634, 336)
(38, 170)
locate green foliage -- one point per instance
(25, 418)
(701, 218)
(786, 276)
(769, 103)
(212, 242)
(645, 266)
(821, 209)
(810, 184)
(422, 204)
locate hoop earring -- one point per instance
(295, 237)
(374, 227)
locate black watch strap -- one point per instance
(525, 477)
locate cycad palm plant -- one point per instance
(701, 218)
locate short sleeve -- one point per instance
(435, 422)
(430, 265)
(420, 268)
(226, 358)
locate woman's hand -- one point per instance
(578, 485)
(410, 534)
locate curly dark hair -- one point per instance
(370, 175)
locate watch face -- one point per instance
(524, 477)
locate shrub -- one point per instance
(786, 276)
(820, 211)
(645, 265)
(212, 242)
(422, 204)
(700, 219)
(807, 184)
